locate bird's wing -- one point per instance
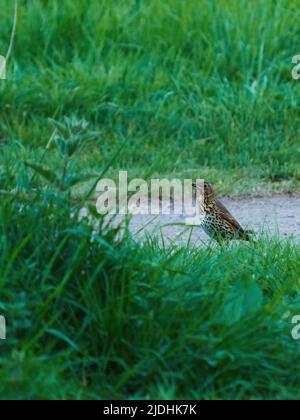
(227, 216)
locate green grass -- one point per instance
(109, 318)
(198, 88)
(104, 316)
(194, 89)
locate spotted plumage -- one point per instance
(218, 223)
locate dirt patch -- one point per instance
(275, 215)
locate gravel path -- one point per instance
(278, 214)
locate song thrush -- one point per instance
(218, 223)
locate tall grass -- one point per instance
(194, 87)
(105, 317)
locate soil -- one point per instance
(277, 215)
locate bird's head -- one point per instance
(206, 190)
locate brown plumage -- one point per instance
(218, 222)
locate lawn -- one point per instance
(188, 89)
(194, 87)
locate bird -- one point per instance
(218, 223)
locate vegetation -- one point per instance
(197, 88)
(106, 317)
